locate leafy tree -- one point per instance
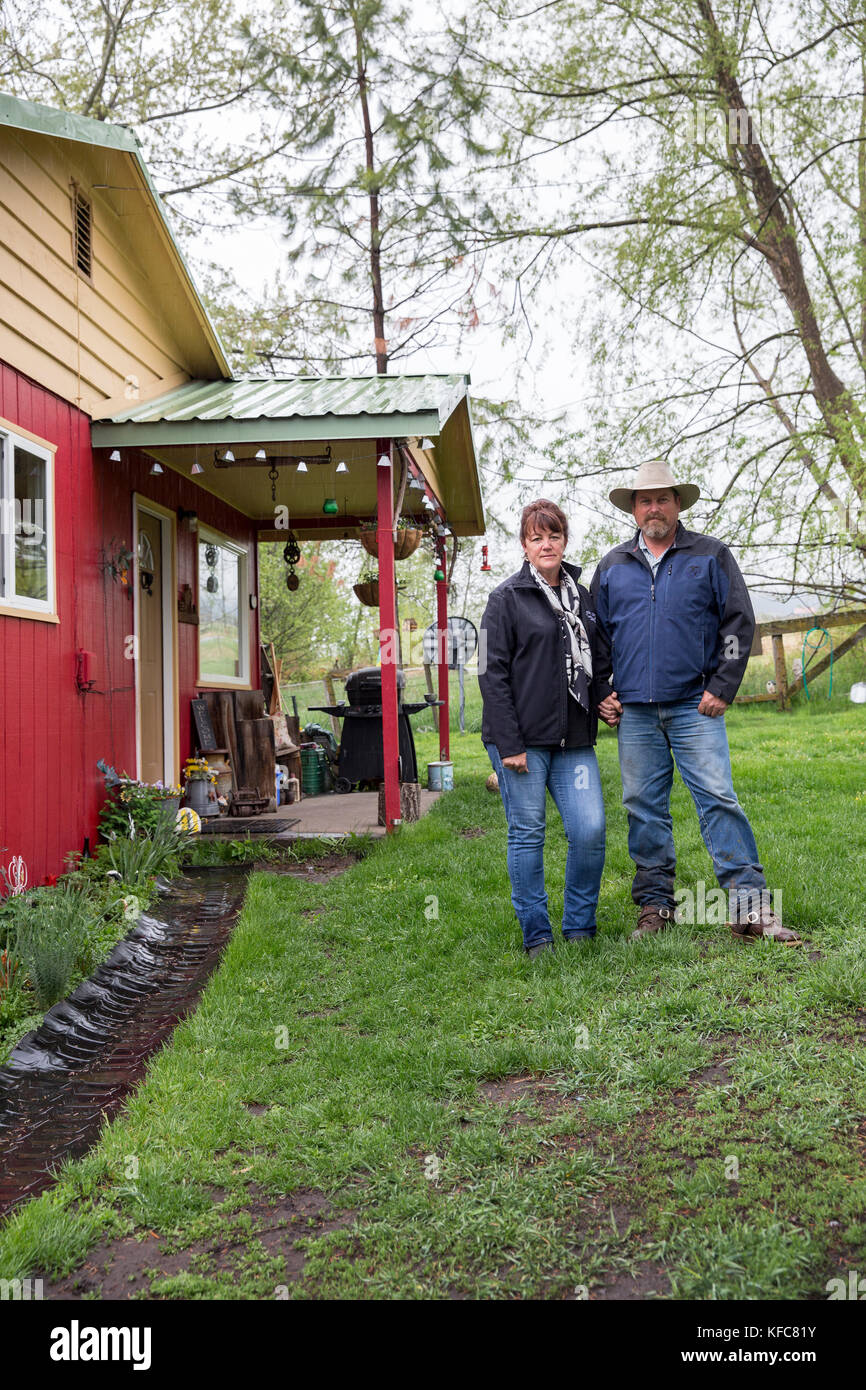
(712, 184)
(187, 74)
(372, 202)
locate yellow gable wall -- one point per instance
(130, 331)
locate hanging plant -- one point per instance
(409, 535)
(367, 589)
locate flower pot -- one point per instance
(168, 810)
(407, 542)
(368, 592)
(197, 796)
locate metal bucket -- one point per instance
(440, 777)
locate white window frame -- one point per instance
(19, 605)
(242, 682)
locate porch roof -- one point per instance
(348, 414)
(254, 410)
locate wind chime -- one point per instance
(210, 556)
(291, 555)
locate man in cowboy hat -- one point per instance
(676, 615)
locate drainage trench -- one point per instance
(63, 1081)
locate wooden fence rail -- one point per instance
(775, 628)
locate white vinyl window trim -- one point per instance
(27, 533)
(208, 674)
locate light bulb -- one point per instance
(426, 442)
(115, 456)
(156, 467)
(302, 467)
(196, 468)
(228, 456)
(342, 467)
(260, 454)
(384, 461)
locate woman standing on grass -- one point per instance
(541, 709)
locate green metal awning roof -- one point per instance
(348, 414)
(65, 125)
(271, 409)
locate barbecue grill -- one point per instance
(361, 758)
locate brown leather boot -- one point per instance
(770, 926)
(652, 918)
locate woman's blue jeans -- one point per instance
(651, 739)
(572, 777)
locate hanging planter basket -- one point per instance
(368, 592)
(407, 542)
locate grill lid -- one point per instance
(364, 686)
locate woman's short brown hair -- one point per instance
(544, 516)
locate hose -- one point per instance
(814, 649)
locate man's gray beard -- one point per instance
(657, 530)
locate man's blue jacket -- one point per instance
(671, 638)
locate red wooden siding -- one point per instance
(50, 735)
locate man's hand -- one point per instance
(711, 705)
(610, 710)
(517, 762)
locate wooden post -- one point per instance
(442, 654)
(332, 700)
(781, 670)
(387, 631)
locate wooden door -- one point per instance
(151, 648)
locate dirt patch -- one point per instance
(647, 1280)
(124, 1268)
(318, 870)
(526, 1088)
(255, 1107)
(715, 1075)
(473, 832)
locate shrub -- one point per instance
(148, 853)
(50, 936)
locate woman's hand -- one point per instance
(610, 710)
(517, 762)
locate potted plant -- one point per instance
(367, 589)
(409, 535)
(198, 778)
(141, 805)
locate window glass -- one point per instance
(26, 526)
(221, 634)
(31, 537)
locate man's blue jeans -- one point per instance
(572, 776)
(651, 738)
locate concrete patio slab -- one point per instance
(356, 813)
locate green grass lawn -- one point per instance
(680, 1118)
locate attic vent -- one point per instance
(83, 235)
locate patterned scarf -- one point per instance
(578, 657)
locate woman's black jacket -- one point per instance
(522, 666)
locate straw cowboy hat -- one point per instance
(654, 474)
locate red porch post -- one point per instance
(442, 654)
(388, 647)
